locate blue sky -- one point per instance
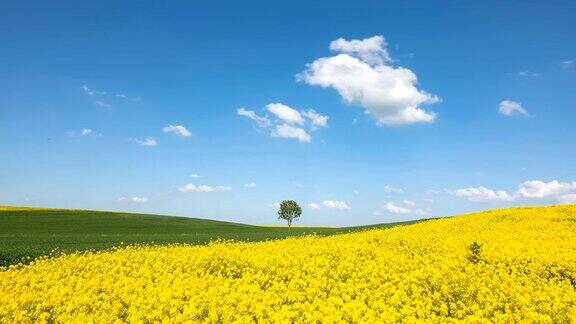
(364, 112)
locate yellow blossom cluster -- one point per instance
(516, 264)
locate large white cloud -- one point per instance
(287, 122)
(363, 76)
(177, 130)
(511, 108)
(483, 194)
(335, 204)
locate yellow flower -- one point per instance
(516, 264)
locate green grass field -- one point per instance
(32, 232)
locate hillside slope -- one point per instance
(503, 266)
(30, 232)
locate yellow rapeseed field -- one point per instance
(503, 265)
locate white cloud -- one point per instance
(190, 187)
(101, 104)
(84, 132)
(138, 200)
(371, 50)
(194, 175)
(250, 185)
(335, 204)
(103, 99)
(540, 189)
(177, 130)
(92, 92)
(392, 190)
(297, 184)
(314, 206)
(150, 141)
(127, 98)
(395, 209)
(285, 113)
(409, 202)
(422, 212)
(567, 199)
(529, 74)
(511, 108)
(562, 192)
(363, 76)
(316, 119)
(483, 194)
(289, 122)
(288, 131)
(567, 64)
(260, 121)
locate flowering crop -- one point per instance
(505, 265)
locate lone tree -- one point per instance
(289, 210)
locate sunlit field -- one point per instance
(503, 265)
(27, 233)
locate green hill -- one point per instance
(31, 232)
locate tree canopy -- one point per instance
(289, 210)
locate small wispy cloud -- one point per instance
(83, 132)
(313, 205)
(138, 200)
(568, 64)
(102, 99)
(177, 130)
(92, 92)
(102, 104)
(150, 141)
(126, 98)
(190, 187)
(529, 74)
(393, 190)
(250, 185)
(483, 194)
(336, 204)
(395, 209)
(511, 108)
(195, 175)
(409, 202)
